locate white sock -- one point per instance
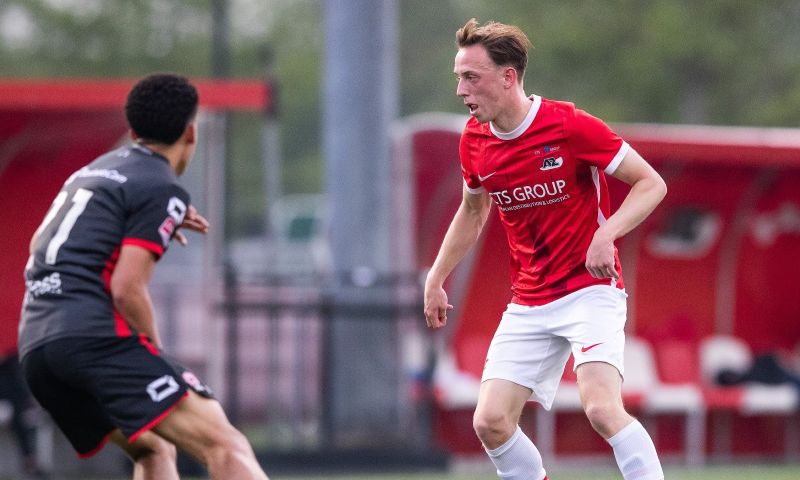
(635, 453)
(517, 459)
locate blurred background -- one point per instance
(328, 167)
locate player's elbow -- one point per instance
(660, 187)
(124, 293)
(654, 185)
(479, 212)
(122, 301)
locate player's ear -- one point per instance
(509, 77)
(191, 133)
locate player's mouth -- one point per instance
(472, 108)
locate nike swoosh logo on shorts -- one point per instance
(586, 349)
(482, 178)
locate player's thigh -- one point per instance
(599, 383)
(196, 425)
(500, 401)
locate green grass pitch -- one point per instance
(789, 472)
(737, 472)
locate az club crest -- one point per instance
(550, 163)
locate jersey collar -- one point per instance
(537, 102)
(142, 149)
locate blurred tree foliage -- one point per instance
(130, 38)
(724, 62)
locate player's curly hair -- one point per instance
(160, 106)
(506, 44)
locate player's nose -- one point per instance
(461, 89)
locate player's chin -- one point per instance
(476, 112)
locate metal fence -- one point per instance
(286, 365)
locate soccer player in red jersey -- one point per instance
(543, 163)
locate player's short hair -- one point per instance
(160, 106)
(506, 44)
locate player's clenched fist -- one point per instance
(600, 260)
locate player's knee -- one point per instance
(238, 443)
(227, 445)
(604, 416)
(492, 427)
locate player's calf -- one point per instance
(231, 452)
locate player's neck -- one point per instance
(171, 152)
(513, 115)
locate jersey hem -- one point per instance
(23, 351)
(539, 302)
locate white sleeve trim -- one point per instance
(623, 150)
(474, 191)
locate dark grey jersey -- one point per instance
(127, 196)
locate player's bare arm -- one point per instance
(647, 191)
(129, 290)
(462, 234)
(192, 221)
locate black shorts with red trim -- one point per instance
(91, 386)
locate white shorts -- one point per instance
(532, 344)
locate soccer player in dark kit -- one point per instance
(88, 341)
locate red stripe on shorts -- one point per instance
(96, 449)
(157, 420)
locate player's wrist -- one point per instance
(605, 234)
(434, 280)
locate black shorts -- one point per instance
(92, 386)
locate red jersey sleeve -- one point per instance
(468, 153)
(593, 142)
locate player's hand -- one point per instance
(436, 306)
(600, 256)
(192, 221)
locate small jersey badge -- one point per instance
(550, 163)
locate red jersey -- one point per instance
(547, 178)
